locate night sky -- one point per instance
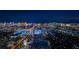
(40, 16)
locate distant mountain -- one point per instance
(40, 20)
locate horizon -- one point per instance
(40, 16)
